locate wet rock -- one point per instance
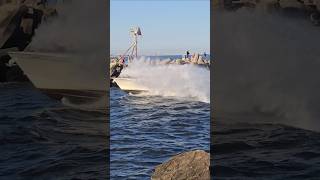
(192, 165)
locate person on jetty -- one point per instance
(187, 56)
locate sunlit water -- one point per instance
(46, 139)
(147, 130)
(150, 127)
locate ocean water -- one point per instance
(264, 151)
(149, 128)
(266, 97)
(44, 139)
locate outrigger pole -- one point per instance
(135, 32)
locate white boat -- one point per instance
(61, 75)
(130, 85)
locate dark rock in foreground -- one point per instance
(192, 165)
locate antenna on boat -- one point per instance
(134, 32)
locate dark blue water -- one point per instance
(43, 139)
(148, 130)
(264, 151)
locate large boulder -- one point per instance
(192, 165)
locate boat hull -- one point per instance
(129, 85)
(61, 75)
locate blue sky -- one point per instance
(168, 26)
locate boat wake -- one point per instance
(99, 104)
(182, 81)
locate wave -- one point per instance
(98, 104)
(185, 81)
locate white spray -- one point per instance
(269, 64)
(183, 81)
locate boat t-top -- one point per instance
(126, 84)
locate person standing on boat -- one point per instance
(187, 54)
(113, 66)
(121, 64)
(116, 67)
(121, 60)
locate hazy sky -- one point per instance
(168, 26)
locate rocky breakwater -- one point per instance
(192, 165)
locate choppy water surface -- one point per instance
(264, 151)
(147, 130)
(269, 97)
(43, 139)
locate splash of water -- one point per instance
(269, 64)
(182, 81)
(99, 104)
(80, 27)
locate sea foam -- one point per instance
(183, 81)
